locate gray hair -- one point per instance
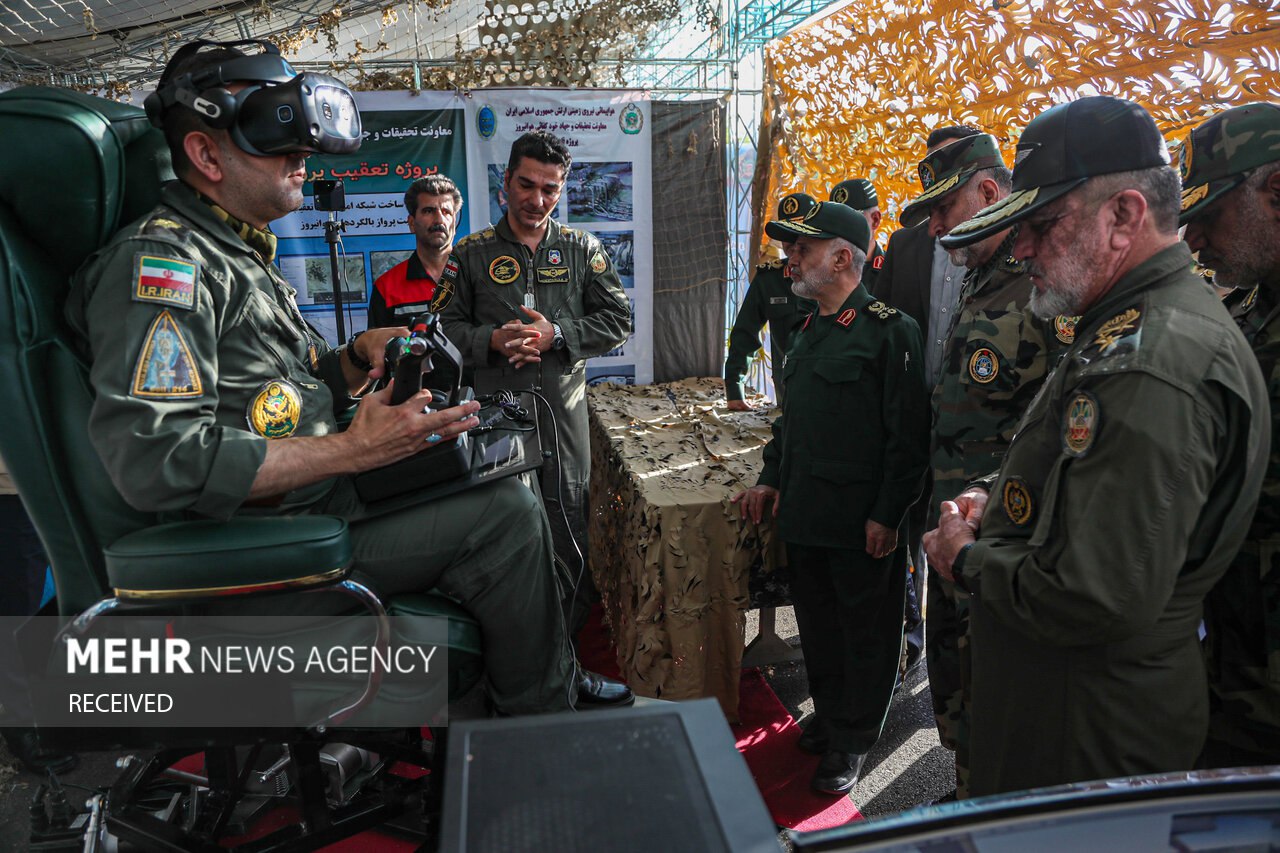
(1160, 186)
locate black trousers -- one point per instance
(849, 609)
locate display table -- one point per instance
(670, 554)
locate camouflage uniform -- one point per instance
(1242, 613)
(997, 356)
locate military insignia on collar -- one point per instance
(846, 317)
(276, 410)
(984, 366)
(598, 263)
(504, 269)
(1064, 328)
(840, 196)
(166, 369)
(877, 262)
(926, 176)
(1250, 299)
(884, 312)
(1017, 501)
(1121, 329)
(553, 257)
(1080, 426)
(165, 281)
(443, 295)
(790, 205)
(1194, 195)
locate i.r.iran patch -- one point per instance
(165, 281)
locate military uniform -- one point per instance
(997, 356)
(200, 357)
(1121, 501)
(768, 300)
(572, 282)
(850, 445)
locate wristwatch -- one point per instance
(358, 361)
(557, 337)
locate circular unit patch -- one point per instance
(504, 269)
(1065, 328)
(1017, 501)
(840, 196)
(790, 205)
(1080, 426)
(274, 412)
(983, 365)
(926, 176)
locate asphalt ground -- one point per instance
(908, 766)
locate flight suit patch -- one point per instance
(165, 281)
(846, 317)
(984, 366)
(553, 275)
(1065, 328)
(884, 312)
(1121, 334)
(166, 369)
(276, 410)
(553, 257)
(1017, 501)
(598, 263)
(450, 268)
(443, 295)
(504, 269)
(1080, 426)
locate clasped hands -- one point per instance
(523, 343)
(957, 526)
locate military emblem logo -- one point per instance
(504, 269)
(1111, 332)
(598, 263)
(274, 412)
(790, 205)
(553, 257)
(553, 275)
(1081, 425)
(1184, 160)
(811, 212)
(983, 366)
(926, 176)
(884, 312)
(486, 122)
(877, 262)
(166, 281)
(166, 369)
(846, 317)
(1065, 328)
(1194, 195)
(443, 295)
(1017, 501)
(840, 196)
(631, 120)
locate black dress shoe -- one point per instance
(596, 691)
(813, 740)
(25, 745)
(838, 772)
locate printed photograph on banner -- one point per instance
(497, 198)
(621, 374)
(600, 191)
(621, 248)
(380, 262)
(354, 319)
(312, 276)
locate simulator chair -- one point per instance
(76, 169)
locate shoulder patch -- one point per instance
(276, 410)
(1119, 335)
(450, 270)
(1064, 328)
(444, 294)
(163, 225)
(598, 262)
(1080, 425)
(165, 281)
(884, 312)
(166, 370)
(1016, 498)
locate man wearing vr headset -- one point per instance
(216, 398)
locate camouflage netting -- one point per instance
(670, 554)
(856, 93)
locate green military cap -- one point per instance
(1219, 154)
(1062, 148)
(795, 205)
(825, 220)
(948, 169)
(858, 193)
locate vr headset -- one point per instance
(279, 112)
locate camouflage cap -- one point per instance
(825, 220)
(795, 205)
(1062, 148)
(1220, 153)
(858, 193)
(948, 169)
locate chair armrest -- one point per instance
(202, 559)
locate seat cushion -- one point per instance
(226, 556)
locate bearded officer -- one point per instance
(847, 458)
(1129, 485)
(1231, 207)
(769, 299)
(996, 358)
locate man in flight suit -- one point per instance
(1231, 207)
(847, 458)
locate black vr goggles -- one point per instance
(279, 112)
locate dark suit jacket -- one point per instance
(904, 279)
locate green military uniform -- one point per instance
(200, 357)
(850, 445)
(572, 282)
(768, 300)
(997, 356)
(1242, 613)
(1121, 500)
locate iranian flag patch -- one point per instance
(165, 281)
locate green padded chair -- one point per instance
(76, 168)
